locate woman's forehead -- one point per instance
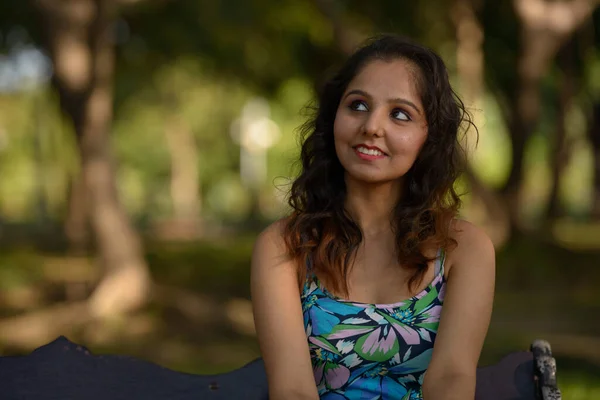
(390, 79)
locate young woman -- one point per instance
(372, 288)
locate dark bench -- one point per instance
(63, 370)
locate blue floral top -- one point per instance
(371, 351)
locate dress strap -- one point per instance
(309, 264)
(439, 263)
(309, 278)
(310, 273)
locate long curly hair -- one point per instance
(319, 231)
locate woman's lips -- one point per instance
(368, 157)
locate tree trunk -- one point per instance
(82, 49)
(561, 148)
(185, 187)
(536, 53)
(41, 205)
(76, 225)
(469, 54)
(545, 26)
(594, 137)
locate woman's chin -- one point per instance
(368, 179)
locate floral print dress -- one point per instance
(371, 351)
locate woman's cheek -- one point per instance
(342, 128)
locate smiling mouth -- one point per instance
(362, 150)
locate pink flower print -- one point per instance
(327, 371)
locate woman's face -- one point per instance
(380, 125)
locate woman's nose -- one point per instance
(374, 124)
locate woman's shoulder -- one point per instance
(275, 232)
(473, 245)
(270, 242)
(465, 232)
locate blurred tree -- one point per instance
(42, 214)
(544, 27)
(594, 137)
(591, 43)
(183, 149)
(79, 38)
(561, 148)
(469, 52)
(185, 177)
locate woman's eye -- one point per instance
(358, 105)
(400, 115)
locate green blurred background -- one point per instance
(144, 144)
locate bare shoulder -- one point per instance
(474, 246)
(270, 250)
(270, 241)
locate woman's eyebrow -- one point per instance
(399, 100)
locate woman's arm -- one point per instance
(279, 321)
(465, 316)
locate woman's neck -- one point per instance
(372, 206)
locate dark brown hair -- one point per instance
(320, 231)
